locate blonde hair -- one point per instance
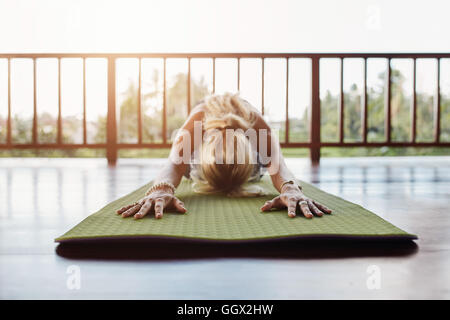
(218, 175)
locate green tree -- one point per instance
(352, 114)
(176, 112)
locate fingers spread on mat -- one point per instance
(131, 211)
(159, 206)
(123, 209)
(322, 207)
(144, 209)
(267, 206)
(274, 203)
(292, 207)
(179, 205)
(305, 209)
(314, 209)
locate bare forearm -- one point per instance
(277, 168)
(282, 175)
(174, 169)
(172, 173)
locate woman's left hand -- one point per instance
(290, 197)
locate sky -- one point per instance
(214, 26)
(224, 26)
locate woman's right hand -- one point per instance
(156, 201)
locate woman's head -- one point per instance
(227, 159)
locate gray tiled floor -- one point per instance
(42, 198)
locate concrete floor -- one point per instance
(42, 198)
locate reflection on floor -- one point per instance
(42, 198)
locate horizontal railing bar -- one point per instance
(168, 145)
(79, 145)
(365, 144)
(385, 144)
(295, 145)
(143, 145)
(51, 145)
(227, 55)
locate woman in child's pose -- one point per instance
(224, 144)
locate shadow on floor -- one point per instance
(176, 250)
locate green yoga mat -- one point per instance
(218, 218)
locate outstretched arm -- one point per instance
(291, 195)
(161, 195)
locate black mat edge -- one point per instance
(405, 237)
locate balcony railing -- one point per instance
(315, 143)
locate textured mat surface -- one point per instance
(218, 218)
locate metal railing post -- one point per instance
(8, 133)
(437, 105)
(35, 115)
(111, 127)
(315, 112)
(387, 120)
